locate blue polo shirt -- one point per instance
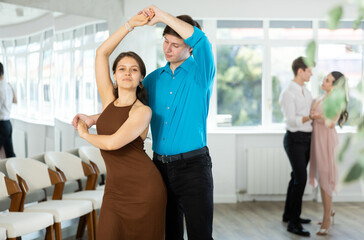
(180, 101)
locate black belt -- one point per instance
(186, 155)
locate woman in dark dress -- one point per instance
(135, 196)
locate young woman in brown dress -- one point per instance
(135, 196)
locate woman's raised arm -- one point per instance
(103, 79)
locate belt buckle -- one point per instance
(164, 157)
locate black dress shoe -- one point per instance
(302, 220)
(296, 228)
(305, 220)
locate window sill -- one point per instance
(278, 129)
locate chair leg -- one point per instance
(58, 229)
(12, 238)
(94, 218)
(81, 227)
(90, 227)
(49, 233)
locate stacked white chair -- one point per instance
(31, 175)
(2, 233)
(73, 168)
(148, 148)
(92, 155)
(14, 224)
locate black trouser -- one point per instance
(5, 138)
(297, 146)
(190, 193)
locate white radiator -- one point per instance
(268, 171)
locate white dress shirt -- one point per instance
(296, 103)
(6, 100)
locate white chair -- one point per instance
(148, 147)
(73, 168)
(2, 233)
(14, 224)
(31, 175)
(92, 155)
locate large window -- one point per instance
(53, 72)
(254, 65)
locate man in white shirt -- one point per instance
(7, 97)
(296, 103)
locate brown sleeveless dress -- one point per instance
(135, 197)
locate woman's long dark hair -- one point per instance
(141, 92)
(338, 76)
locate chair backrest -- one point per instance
(3, 188)
(39, 157)
(148, 148)
(68, 163)
(34, 172)
(73, 151)
(89, 153)
(3, 167)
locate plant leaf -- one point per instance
(359, 19)
(354, 173)
(344, 148)
(334, 103)
(335, 15)
(310, 54)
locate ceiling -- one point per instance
(11, 14)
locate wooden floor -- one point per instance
(263, 220)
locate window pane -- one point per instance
(46, 73)
(102, 32)
(89, 86)
(348, 60)
(48, 39)
(159, 31)
(64, 101)
(290, 30)
(8, 46)
(66, 43)
(20, 45)
(281, 70)
(11, 73)
(22, 83)
(227, 29)
(239, 84)
(78, 77)
(33, 78)
(58, 42)
(344, 31)
(77, 37)
(34, 43)
(89, 36)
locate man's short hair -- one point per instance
(186, 18)
(297, 64)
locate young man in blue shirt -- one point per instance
(179, 96)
